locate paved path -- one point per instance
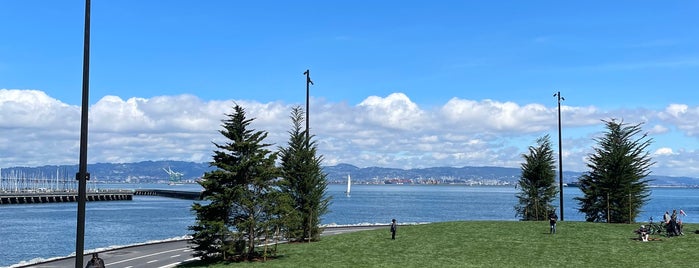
(166, 254)
(163, 255)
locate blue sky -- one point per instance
(384, 73)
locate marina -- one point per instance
(24, 188)
(20, 187)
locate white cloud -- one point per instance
(393, 112)
(658, 129)
(390, 131)
(676, 109)
(492, 116)
(663, 151)
(683, 117)
(34, 109)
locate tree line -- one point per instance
(255, 195)
(614, 189)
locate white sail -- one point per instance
(349, 184)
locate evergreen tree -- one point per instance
(241, 191)
(538, 182)
(303, 181)
(615, 189)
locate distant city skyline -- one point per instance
(402, 84)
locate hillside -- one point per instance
(154, 171)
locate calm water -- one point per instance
(41, 231)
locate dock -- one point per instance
(191, 195)
(32, 197)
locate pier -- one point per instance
(33, 197)
(19, 187)
(30, 197)
(169, 193)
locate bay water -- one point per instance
(35, 232)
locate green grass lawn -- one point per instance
(491, 244)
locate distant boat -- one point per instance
(572, 184)
(349, 185)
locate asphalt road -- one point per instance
(162, 255)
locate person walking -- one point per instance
(674, 226)
(553, 218)
(393, 229)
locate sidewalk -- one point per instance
(162, 254)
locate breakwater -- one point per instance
(192, 195)
(60, 197)
(33, 197)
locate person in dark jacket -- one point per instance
(393, 229)
(642, 233)
(553, 218)
(95, 262)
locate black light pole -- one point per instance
(560, 154)
(308, 83)
(82, 175)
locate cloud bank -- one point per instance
(388, 131)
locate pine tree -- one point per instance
(303, 181)
(616, 188)
(538, 182)
(241, 191)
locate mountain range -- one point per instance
(157, 171)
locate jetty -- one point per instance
(191, 195)
(32, 197)
(20, 188)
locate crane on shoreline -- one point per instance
(175, 177)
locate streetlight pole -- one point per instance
(560, 153)
(308, 83)
(82, 175)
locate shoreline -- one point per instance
(352, 227)
(38, 261)
(41, 260)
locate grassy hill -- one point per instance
(491, 244)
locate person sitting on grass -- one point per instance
(642, 233)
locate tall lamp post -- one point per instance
(308, 83)
(560, 154)
(82, 175)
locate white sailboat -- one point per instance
(349, 184)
